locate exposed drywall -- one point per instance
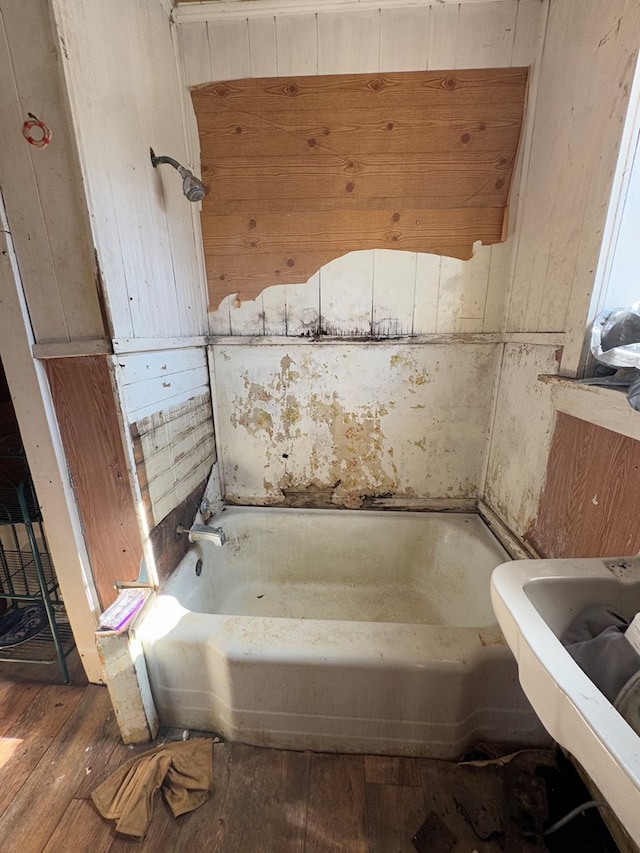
(302, 170)
(520, 435)
(352, 420)
(592, 492)
(391, 292)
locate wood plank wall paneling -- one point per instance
(590, 55)
(167, 546)
(589, 506)
(42, 188)
(302, 170)
(85, 406)
(127, 95)
(166, 404)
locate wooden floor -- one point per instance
(58, 742)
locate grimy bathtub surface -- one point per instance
(339, 630)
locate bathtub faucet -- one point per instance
(201, 531)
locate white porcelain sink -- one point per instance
(534, 602)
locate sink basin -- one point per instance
(534, 602)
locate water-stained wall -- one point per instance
(342, 423)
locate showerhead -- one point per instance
(192, 187)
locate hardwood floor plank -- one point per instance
(392, 770)
(103, 757)
(14, 700)
(81, 829)
(336, 815)
(32, 734)
(263, 801)
(266, 801)
(394, 815)
(45, 795)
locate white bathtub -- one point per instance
(338, 630)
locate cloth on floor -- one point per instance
(182, 769)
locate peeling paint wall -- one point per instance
(521, 435)
(346, 422)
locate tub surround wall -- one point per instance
(352, 421)
(521, 434)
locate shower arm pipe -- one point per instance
(156, 161)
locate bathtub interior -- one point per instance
(338, 630)
(366, 566)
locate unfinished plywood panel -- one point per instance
(85, 406)
(301, 170)
(352, 421)
(591, 495)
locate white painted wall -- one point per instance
(585, 79)
(42, 187)
(374, 292)
(126, 97)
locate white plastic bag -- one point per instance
(615, 337)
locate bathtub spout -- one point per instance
(201, 531)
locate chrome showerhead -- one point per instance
(192, 187)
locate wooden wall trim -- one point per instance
(72, 349)
(188, 12)
(303, 170)
(127, 346)
(606, 407)
(85, 406)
